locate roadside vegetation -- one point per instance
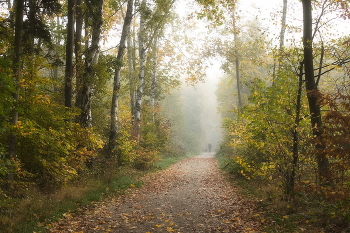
(311, 209)
(37, 211)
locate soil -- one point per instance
(190, 196)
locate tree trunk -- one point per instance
(17, 60)
(116, 82)
(295, 132)
(69, 56)
(313, 93)
(131, 69)
(281, 48)
(91, 59)
(237, 64)
(154, 80)
(142, 56)
(283, 26)
(55, 71)
(78, 52)
(9, 5)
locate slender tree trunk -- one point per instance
(295, 157)
(282, 33)
(17, 66)
(55, 71)
(69, 56)
(9, 5)
(91, 59)
(131, 70)
(281, 47)
(142, 56)
(154, 80)
(116, 83)
(78, 52)
(135, 81)
(313, 93)
(237, 63)
(283, 26)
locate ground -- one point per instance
(190, 196)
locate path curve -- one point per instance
(189, 196)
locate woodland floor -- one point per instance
(190, 196)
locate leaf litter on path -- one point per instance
(190, 196)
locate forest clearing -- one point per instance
(95, 94)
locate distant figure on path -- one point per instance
(209, 147)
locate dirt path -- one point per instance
(189, 196)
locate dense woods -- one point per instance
(88, 87)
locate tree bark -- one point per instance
(142, 56)
(9, 5)
(313, 93)
(91, 59)
(116, 82)
(69, 56)
(283, 26)
(55, 71)
(237, 63)
(131, 70)
(154, 80)
(78, 51)
(295, 132)
(17, 66)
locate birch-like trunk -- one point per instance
(283, 26)
(237, 63)
(116, 82)
(281, 46)
(9, 5)
(142, 56)
(154, 80)
(132, 81)
(90, 60)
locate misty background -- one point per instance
(192, 111)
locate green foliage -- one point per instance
(51, 150)
(126, 149)
(261, 135)
(54, 155)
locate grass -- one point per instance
(36, 211)
(309, 210)
(166, 162)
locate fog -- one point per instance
(200, 109)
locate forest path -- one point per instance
(190, 196)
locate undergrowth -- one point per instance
(35, 212)
(309, 210)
